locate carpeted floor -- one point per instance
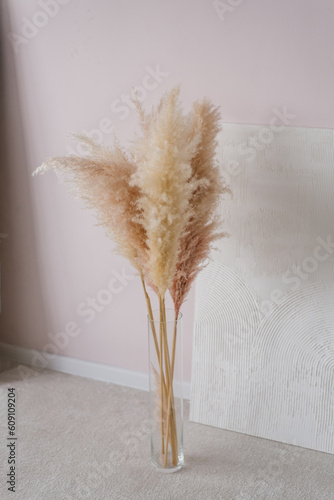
(81, 439)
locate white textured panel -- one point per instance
(263, 359)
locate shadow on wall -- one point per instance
(22, 316)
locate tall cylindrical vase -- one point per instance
(166, 399)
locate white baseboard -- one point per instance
(82, 368)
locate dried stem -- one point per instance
(170, 397)
(174, 343)
(150, 315)
(170, 394)
(171, 430)
(161, 377)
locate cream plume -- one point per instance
(163, 155)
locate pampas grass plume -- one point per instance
(163, 154)
(203, 227)
(102, 181)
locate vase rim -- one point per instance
(168, 309)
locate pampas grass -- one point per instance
(203, 227)
(102, 181)
(158, 201)
(163, 155)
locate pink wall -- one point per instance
(72, 72)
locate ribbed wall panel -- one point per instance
(269, 372)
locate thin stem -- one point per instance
(174, 342)
(152, 325)
(161, 375)
(150, 315)
(171, 430)
(170, 395)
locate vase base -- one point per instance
(167, 470)
(158, 464)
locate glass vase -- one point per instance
(166, 399)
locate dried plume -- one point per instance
(159, 201)
(163, 154)
(203, 226)
(102, 180)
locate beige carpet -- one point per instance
(81, 439)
